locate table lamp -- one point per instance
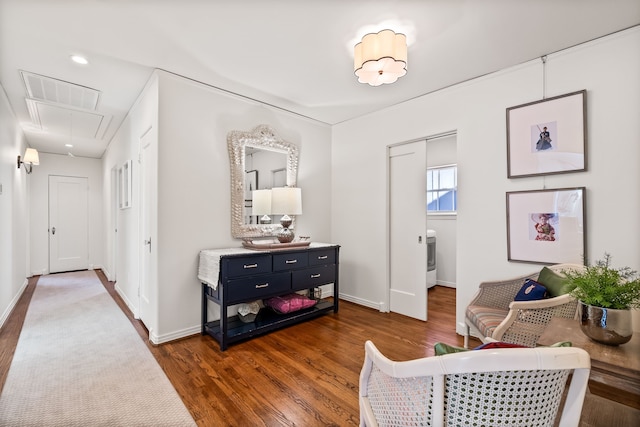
(261, 205)
(286, 201)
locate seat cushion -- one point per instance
(485, 319)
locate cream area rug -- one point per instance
(80, 362)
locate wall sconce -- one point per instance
(261, 205)
(286, 201)
(380, 58)
(30, 158)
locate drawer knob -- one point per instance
(315, 276)
(250, 266)
(291, 261)
(323, 257)
(264, 285)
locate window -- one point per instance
(442, 189)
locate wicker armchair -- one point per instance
(493, 315)
(506, 387)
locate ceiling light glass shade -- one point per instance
(380, 58)
(286, 201)
(31, 156)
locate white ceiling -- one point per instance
(293, 54)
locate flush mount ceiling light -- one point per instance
(380, 58)
(79, 59)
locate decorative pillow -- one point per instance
(289, 303)
(555, 283)
(441, 348)
(530, 291)
(498, 344)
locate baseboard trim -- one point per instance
(13, 302)
(371, 304)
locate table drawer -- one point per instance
(290, 261)
(322, 257)
(247, 266)
(316, 276)
(257, 287)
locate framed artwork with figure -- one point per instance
(546, 226)
(548, 136)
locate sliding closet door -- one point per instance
(407, 230)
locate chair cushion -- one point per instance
(530, 291)
(555, 283)
(486, 319)
(442, 348)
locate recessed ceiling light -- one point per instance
(68, 145)
(79, 59)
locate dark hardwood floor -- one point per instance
(304, 375)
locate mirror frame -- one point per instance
(263, 137)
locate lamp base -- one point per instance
(265, 219)
(285, 235)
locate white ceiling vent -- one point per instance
(59, 119)
(56, 91)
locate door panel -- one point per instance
(68, 223)
(407, 230)
(148, 242)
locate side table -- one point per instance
(615, 366)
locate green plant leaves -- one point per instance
(604, 286)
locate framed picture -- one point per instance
(548, 136)
(250, 183)
(124, 176)
(248, 208)
(546, 226)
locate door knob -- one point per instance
(53, 230)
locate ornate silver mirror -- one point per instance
(259, 160)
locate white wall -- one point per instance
(194, 186)
(56, 164)
(607, 68)
(122, 253)
(14, 211)
(193, 210)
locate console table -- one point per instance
(238, 275)
(615, 366)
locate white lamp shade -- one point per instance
(31, 156)
(286, 200)
(380, 58)
(261, 202)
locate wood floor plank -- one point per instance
(303, 375)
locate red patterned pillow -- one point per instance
(289, 303)
(498, 344)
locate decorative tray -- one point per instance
(271, 246)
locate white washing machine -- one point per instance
(431, 258)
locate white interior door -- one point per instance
(68, 223)
(148, 242)
(113, 229)
(407, 230)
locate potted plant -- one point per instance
(606, 296)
